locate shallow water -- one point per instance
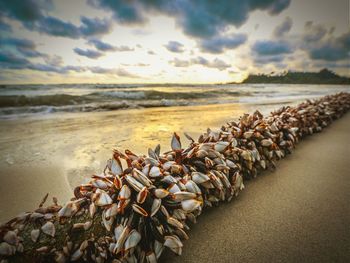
(18, 101)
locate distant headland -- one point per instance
(324, 76)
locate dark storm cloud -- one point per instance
(283, 28)
(197, 18)
(4, 26)
(263, 60)
(100, 45)
(26, 11)
(103, 46)
(216, 63)
(328, 51)
(54, 60)
(219, 44)
(174, 46)
(269, 47)
(94, 26)
(32, 14)
(56, 27)
(17, 43)
(127, 12)
(323, 46)
(8, 60)
(93, 54)
(24, 46)
(314, 33)
(90, 27)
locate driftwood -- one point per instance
(131, 213)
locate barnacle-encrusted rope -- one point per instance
(130, 214)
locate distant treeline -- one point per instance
(324, 76)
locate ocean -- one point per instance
(18, 101)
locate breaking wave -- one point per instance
(21, 100)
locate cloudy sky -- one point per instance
(178, 41)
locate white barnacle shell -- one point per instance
(98, 183)
(20, 248)
(266, 142)
(161, 193)
(60, 257)
(134, 183)
(221, 146)
(6, 249)
(234, 142)
(192, 187)
(116, 166)
(246, 155)
(68, 210)
(36, 215)
(138, 209)
(174, 188)
(142, 195)
(167, 165)
(11, 238)
(174, 243)
(155, 172)
(199, 177)
(34, 235)
(158, 248)
(121, 239)
(118, 231)
(112, 210)
(107, 222)
(49, 228)
(140, 176)
(248, 134)
(132, 240)
(180, 196)
(92, 209)
(190, 205)
(42, 249)
(151, 257)
(174, 222)
(155, 206)
(102, 198)
(169, 179)
(124, 193)
(175, 142)
(76, 255)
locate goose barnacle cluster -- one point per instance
(140, 205)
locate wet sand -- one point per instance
(55, 153)
(299, 213)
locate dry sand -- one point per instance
(299, 213)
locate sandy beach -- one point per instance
(299, 213)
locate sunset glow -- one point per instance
(136, 42)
